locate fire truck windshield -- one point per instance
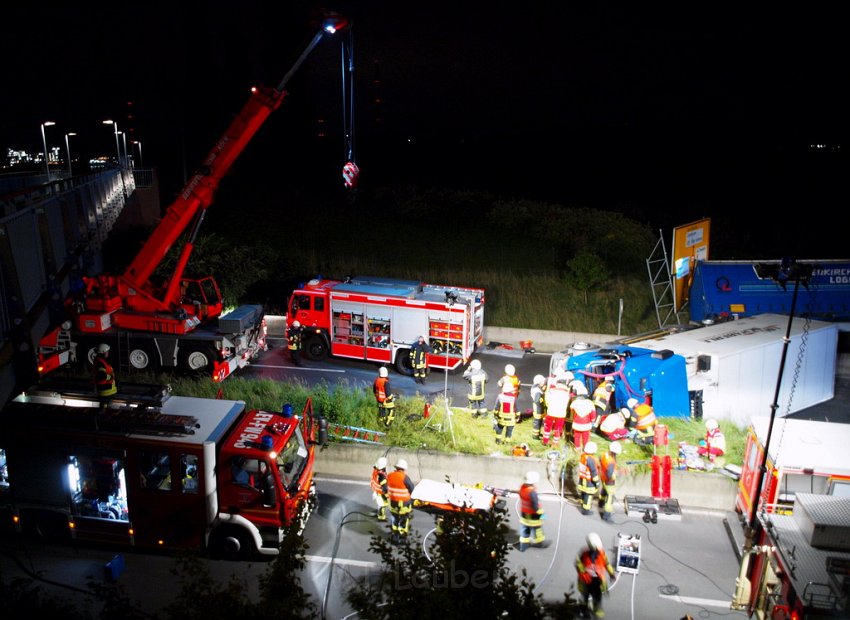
(292, 459)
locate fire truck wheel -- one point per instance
(402, 362)
(231, 543)
(196, 359)
(46, 526)
(315, 348)
(142, 358)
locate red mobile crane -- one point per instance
(179, 323)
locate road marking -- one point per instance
(325, 560)
(294, 368)
(702, 602)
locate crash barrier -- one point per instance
(544, 341)
(696, 490)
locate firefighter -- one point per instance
(593, 568)
(510, 378)
(419, 359)
(103, 376)
(714, 444)
(608, 476)
(384, 397)
(505, 414)
(557, 401)
(293, 335)
(379, 487)
(643, 419)
(477, 378)
(399, 490)
(582, 416)
(613, 426)
(530, 513)
(538, 406)
(602, 397)
(588, 477)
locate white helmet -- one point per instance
(568, 376)
(383, 372)
(593, 541)
(510, 370)
(711, 424)
(103, 348)
(532, 477)
(539, 379)
(296, 324)
(579, 387)
(401, 464)
(475, 364)
(616, 448)
(631, 403)
(590, 447)
(381, 463)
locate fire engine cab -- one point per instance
(379, 319)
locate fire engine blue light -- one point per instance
(267, 442)
(286, 412)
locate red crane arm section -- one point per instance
(199, 192)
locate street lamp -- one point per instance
(44, 143)
(117, 144)
(139, 144)
(68, 149)
(126, 156)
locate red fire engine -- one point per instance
(378, 319)
(155, 471)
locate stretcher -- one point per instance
(447, 496)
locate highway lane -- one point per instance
(686, 566)
(275, 364)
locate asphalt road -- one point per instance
(685, 566)
(275, 364)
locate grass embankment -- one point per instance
(345, 405)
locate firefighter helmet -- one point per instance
(580, 388)
(590, 447)
(594, 542)
(510, 370)
(103, 348)
(383, 372)
(532, 477)
(296, 324)
(401, 464)
(711, 424)
(475, 364)
(632, 403)
(539, 379)
(616, 448)
(381, 463)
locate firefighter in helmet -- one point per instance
(593, 569)
(384, 397)
(379, 487)
(294, 336)
(608, 477)
(419, 359)
(104, 376)
(538, 406)
(530, 513)
(399, 492)
(588, 477)
(477, 378)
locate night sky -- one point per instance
(667, 114)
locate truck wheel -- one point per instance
(142, 358)
(231, 543)
(196, 360)
(315, 348)
(402, 362)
